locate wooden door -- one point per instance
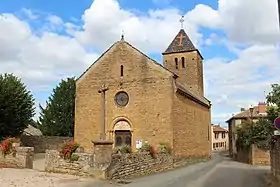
(122, 138)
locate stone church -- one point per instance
(129, 98)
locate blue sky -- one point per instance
(58, 39)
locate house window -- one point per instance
(176, 63)
(183, 62)
(223, 135)
(216, 135)
(121, 70)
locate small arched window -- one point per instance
(176, 63)
(121, 70)
(183, 62)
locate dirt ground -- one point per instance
(32, 178)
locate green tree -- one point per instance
(260, 132)
(16, 106)
(273, 99)
(57, 118)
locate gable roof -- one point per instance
(32, 131)
(123, 41)
(184, 90)
(246, 114)
(188, 93)
(218, 128)
(181, 43)
(154, 61)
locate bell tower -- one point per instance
(182, 58)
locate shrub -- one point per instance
(148, 148)
(165, 148)
(145, 148)
(7, 146)
(123, 149)
(74, 158)
(68, 148)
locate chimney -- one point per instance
(242, 109)
(261, 107)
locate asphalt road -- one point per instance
(219, 172)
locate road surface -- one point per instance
(219, 172)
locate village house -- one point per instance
(129, 98)
(253, 113)
(220, 139)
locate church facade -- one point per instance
(133, 99)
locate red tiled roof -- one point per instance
(247, 114)
(218, 128)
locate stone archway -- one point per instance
(122, 134)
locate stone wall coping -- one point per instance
(25, 149)
(51, 151)
(102, 142)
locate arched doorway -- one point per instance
(122, 133)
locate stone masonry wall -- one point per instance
(243, 155)
(260, 156)
(21, 157)
(254, 156)
(275, 159)
(42, 143)
(192, 75)
(136, 164)
(58, 165)
(150, 90)
(192, 133)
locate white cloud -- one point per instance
(230, 84)
(151, 31)
(55, 20)
(242, 82)
(39, 61)
(245, 22)
(29, 14)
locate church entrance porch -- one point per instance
(122, 134)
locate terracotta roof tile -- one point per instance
(247, 114)
(218, 128)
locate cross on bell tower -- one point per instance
(182, 20)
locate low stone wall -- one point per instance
(118, 166)
(135, 164)
(104, 164)
(23, 158)
(243, 155)
(275, 159)
(42, 143)
(260, 156)
(81, 167)
(254, 156)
